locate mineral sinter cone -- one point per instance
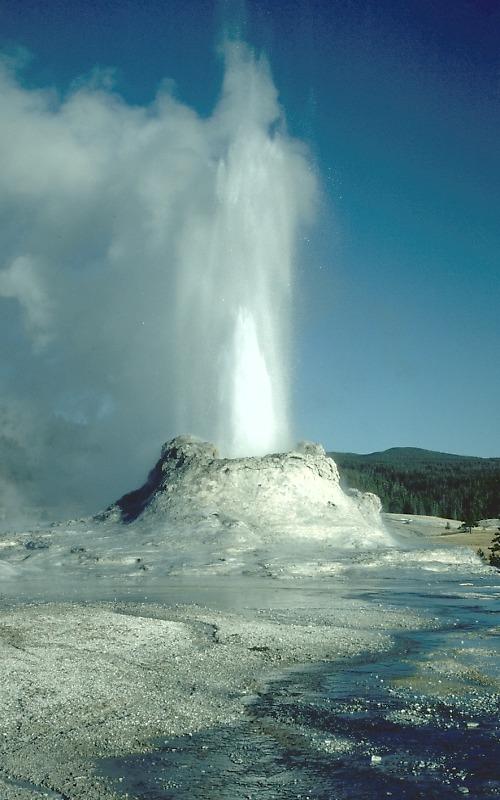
(279, 515)
(270, 499)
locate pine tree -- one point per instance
(495, 552)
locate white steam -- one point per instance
(146, 278)
(20, 281)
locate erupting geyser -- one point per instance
(172, 238)
(236, 270)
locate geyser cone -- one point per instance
(281, 514)
(247, 503)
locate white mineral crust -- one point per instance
(278, 514)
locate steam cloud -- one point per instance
(146, 282)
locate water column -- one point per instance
(236, 269)
(255, 264)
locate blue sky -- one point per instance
(398, 333)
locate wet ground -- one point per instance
(419, 722)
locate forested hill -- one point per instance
(409, 480)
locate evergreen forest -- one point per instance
(409, 480)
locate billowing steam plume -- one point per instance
(146, 280)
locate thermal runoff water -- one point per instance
(236, 270)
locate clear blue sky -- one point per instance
(399, 104)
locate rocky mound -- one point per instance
(279, 515)
(295, 494)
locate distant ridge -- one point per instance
(411, 480)
(411, 454)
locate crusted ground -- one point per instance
(84, 682)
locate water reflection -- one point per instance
(420, 722)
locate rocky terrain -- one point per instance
(84, 682)
(163, 616)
